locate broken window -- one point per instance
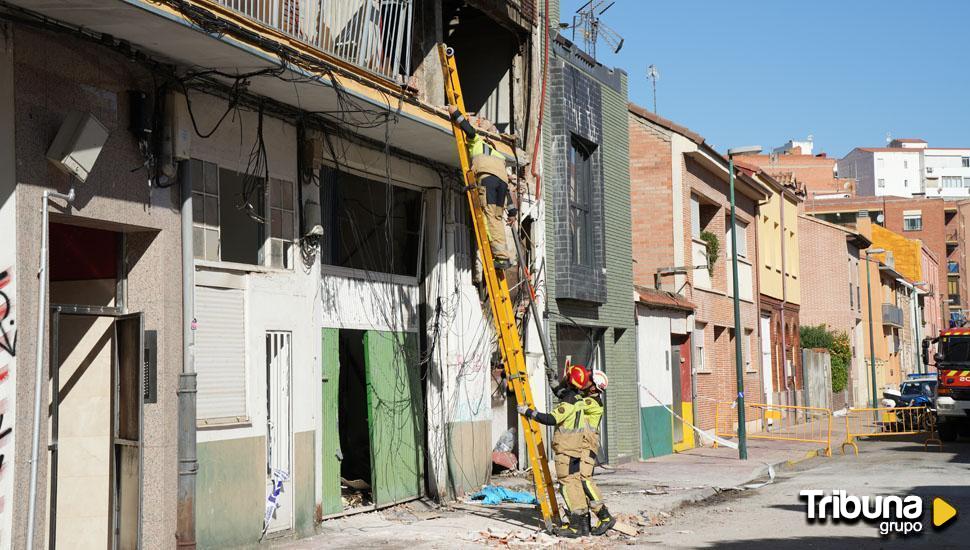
(369, 225)
(484, 54)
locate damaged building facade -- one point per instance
(266, 215)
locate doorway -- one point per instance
(354, 425)
(279, 433)
(97, 392)
(372, 440)
(766, 370)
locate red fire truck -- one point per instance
(953, 391)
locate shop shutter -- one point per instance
(220, 354)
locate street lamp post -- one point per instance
(738, 329)
(872, 342)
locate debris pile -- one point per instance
(355, 493)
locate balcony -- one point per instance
(952, 239)
(745, 286)
(702, 277)
(892, 315)
(374, 35)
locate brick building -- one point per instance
(831, 294)
(680, 204)
(933, 221)
(780, 287)
(795, 160)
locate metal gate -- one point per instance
(279, 433)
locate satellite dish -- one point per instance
(880, 218)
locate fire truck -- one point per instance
(953, 391)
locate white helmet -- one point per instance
(600, 380)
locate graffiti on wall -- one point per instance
(8, 351)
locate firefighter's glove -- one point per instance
(524, 410)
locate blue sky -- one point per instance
(847, 72)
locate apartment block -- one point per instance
(261, 308)
(932, 221)
(832, 290)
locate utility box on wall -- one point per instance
(78, 144)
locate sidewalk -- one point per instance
(641, 492)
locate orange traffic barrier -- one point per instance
(777, 422)
(869, 422)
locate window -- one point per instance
(700, 363)
(912, 222)
(851, 301)
(858, 297)
(369, 225)
(966, 182)
(695, 218)
(742, 238)
(965, 162)
(282, 221)
(952, 267)
(882, 183)
(228, 214)
(952, 182)
(580, 183)
(220, 357)
(205, 209)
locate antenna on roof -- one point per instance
(587, 20)
(889, 137)
(654, 75)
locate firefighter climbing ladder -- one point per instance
(503, 314)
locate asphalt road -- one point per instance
(775, 517)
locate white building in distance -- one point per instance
(908, 167)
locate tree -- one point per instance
(837, 344)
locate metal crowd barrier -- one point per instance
(777, 423)
(870, 422)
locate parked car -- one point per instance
(916, 391)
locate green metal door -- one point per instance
(394, 404)
(330, 441)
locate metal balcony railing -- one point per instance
(892, 315)
(372, 34)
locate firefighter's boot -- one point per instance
(578, 526)
(606, 523)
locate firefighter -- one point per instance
(575, 443)
(492, 183)
(594, 392)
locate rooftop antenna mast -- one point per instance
(591, 29)
(654, 75)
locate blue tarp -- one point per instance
(492, 494)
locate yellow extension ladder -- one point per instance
(503, 314)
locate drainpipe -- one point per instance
(42, 278)
(188, 464)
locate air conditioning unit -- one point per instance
(78, 144)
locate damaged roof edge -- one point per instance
(411, 108)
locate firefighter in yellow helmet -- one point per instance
(575, 443)
(492, 182)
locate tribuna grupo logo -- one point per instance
(894, 514)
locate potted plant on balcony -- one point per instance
(713, 249)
